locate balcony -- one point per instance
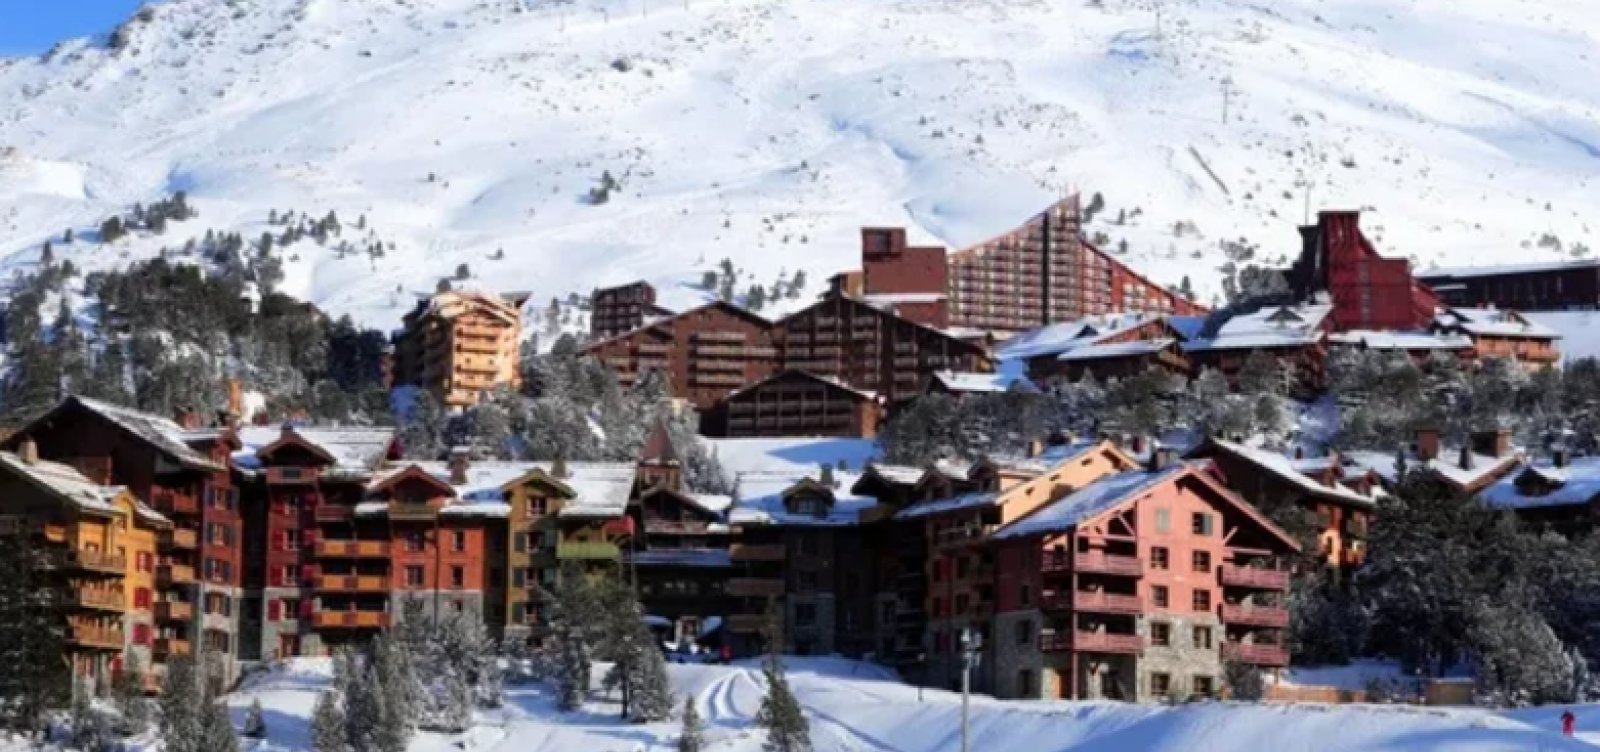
(1091, 642)
(755, 587)
(168, 647)
(1255, 616)
(174, 611)
(332, 513)
(99, 599)
(745, 623)
(587, 551)
(352, 549)
(757, 552)
(1261, 655)
(174, 574)
(350, 619)
(355, 583)
(1109, 564)
(175, 503)
(95, 561)
(412, 511)
(1253, 577)
(180, 538)
(104, 638)
(1093, 602)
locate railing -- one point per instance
(1096, 602)
(752, 586)
(1091, 642)
(1261, 655)
(349, 619)
(175, 574)
(171, 646)
(353, 582)
(108, 600)
(332, 513)
(353, 549)
(171, 502)
(399, 510)
(1253, 577)
(1259, 616)
(757, 552)
(97, 561)
(1109, 564)
(180, 538)
(745, 623)
(96, 637)
(174, 611)
(587, 550)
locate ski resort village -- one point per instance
(735, 375)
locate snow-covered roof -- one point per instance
(796, 455)
(881, 299)
(1116, 350)
(1447, 465)
(1461, 272)
(830, 380)
(1493, 322)
(939, 506)
(761, 500)
(717, 503)
(356, 451)
(1048, 458)
(1270, 327)
(164, 433)
(681, 557)
(1375, 340)
(1579, 330)
(1576, 484)
(65, 482)
(904, 474)
(1058, 338)
(973, 382)
(1088, 502)
(602, 489)
(1294, 471)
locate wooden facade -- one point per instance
(461, 344)
(705, 353)
(618, 310)
(796, 403)
(1554, 286)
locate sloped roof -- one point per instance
(1446, 466)
(974, 382)
(797, 373)
(1272, 326)
(1289, 470)
(1375, 340)
(1058, 338)
(762, 495)
(164, 434)
(1088, 502)
(1116, 350)
(1493, 323)
(70, 486)
(1577, 484)
(1461, 272)
(355, 451)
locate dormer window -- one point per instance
(810, 506)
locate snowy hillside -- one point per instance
(858, 707)
(476, 132)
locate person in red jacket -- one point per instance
(727, 654)
(1568, 721)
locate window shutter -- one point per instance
(278, 540)
(274, 610)
(305, 609)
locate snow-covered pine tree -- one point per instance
(364, 713)
(574, 615)
(133, 710)
(34, 680)
(255, 724)
(780, 713)
(394, 680)
(181, 706)
(692, 737)
(637, 666)
(91, 731)
(327, 724)
(216, 730)
(1520, 660)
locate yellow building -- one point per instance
(101, 541)
(461, 344)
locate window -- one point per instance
(1025, 596)
(1203, 686)
(806, 582)
(458, 540)
(1160, 684)
(809, 545)
(1025, 632)
(962, 601)
(961, 567)
(1163, 520)
(414, 541)
(1025, 684)
(1202, 599)
(141, 598)
(1202, 561)
(1202, 523)
(519, 612)
(1159, 558)
(414, 575)
(1160, 634)
(938, 607)
(805, 614)
(537, 506)
(141, 634)
(1158, 596)
(146, 561)
(520, 542)
(458, 576)
(291, 540)
(1202, 638)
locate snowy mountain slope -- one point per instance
(770, 131)
(858, 707)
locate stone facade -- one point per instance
(1015, 650)
(1182, 659)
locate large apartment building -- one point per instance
(460, 344)
(622, 309)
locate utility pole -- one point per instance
(971, 645)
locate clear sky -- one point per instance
(28, 27)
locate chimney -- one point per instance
(460, 461)
(1427, 444)
(189, 419)
(28, 451)
(1138, 445)
(1466, 458)
(1502, 442)
(826, 478)
(1035, 448)
(558, 469)
(1161, 458)
(1299, 452)
(235, 399)
(1559, 457)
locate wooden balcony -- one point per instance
(174, 611)
(745, 623)
(333, 513)
(100, 638)
(593, 550)
(755, 587)
(1092, 602)
(180, 538)
(99, 599)
(95, 561)
(1253, 577)
(352, 549)
(168, 647)
(352, 583)
(174, 574)
(1092, 642)
(757, 552)
(1260, 655)
(349, 619)
(404, 511)
(169, 502)
(1255, 616)
(1109, 564)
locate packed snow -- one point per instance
(770, 131)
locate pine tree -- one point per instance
(397, 694)
(34, 679)
(780, 712)
(91, 732)
(255, 725)
(637, 666)
(216, 730)
(327, 725)
(575, 614)
(692, 737)
(132, 707)
(181, 706)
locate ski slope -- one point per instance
(859, 707)
(769, 131)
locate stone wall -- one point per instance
(1182, 660)
(1011, 656)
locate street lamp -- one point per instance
(971, 649)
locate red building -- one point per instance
(908, 280)
(1367, 290)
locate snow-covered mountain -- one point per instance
(768, 131)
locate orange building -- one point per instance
(461, 344)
